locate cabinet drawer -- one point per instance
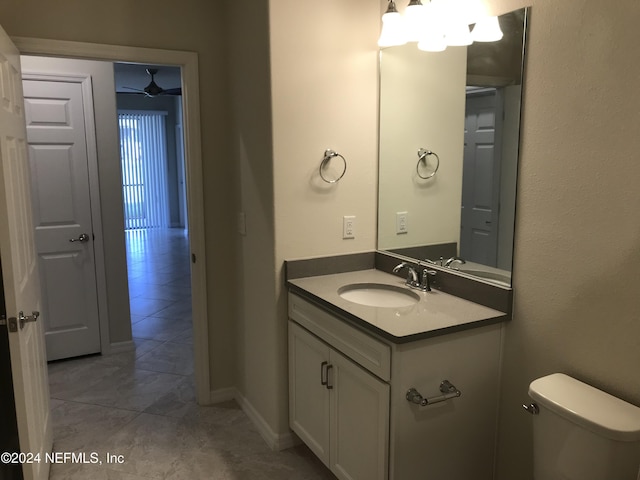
(363, 349)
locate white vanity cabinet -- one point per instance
(337, 408)
(347, 398)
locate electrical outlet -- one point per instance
(349, 226)
(402, 222)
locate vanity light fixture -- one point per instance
(456, 15)
(487, 29)
(432, 35)
(393, 33)
(432, 42)
(438, 24)
(414, 19)
(457, 34)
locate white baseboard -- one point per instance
(223, 395)
(276, 441)
(119, 347)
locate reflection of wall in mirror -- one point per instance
(508, 174)
(421, 108)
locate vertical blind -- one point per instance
(143, 153)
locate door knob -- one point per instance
(22, 318)
(82, 238)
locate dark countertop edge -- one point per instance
(372, 329)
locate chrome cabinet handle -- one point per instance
(329, 386)
(82, 238)
(323, 373)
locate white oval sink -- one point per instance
(378, 295)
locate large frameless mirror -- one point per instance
(449, 138)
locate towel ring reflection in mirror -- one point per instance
(328, 155)
(423, 155)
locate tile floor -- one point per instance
(141, 404)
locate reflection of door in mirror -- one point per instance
(489, 175)
(481, 177)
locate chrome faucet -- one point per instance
(425, 283)
(412, 277)
(452, 260)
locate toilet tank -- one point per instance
(582, 433)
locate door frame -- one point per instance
(188, 62)
(94, 190)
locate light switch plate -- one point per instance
(402, 222)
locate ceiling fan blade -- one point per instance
(172, 91)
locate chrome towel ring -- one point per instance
(328, 155)
(423, 153)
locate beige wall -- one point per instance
(324, 95)
(297, 91)
(258, 376)
(192, 25)
(422, 105)
(577, 247)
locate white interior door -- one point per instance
(480, 180)
(58, 154)
(20, 269)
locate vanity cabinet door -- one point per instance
(308, 394)
(359, 422)
(337, 408)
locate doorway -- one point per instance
(156, 227)
(187, 61)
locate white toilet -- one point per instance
(582, 433)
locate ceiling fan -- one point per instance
(153, 89)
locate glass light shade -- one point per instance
(414, 17)
(458, 34)
(432, 43)
(487, 29)
(432, 37)
(393, 32)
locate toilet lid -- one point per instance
(585, 405)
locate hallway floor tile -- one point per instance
(141, 403)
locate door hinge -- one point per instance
(193, 258)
